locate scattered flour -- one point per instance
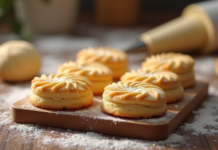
(206, 119)
(25, 131)
(205, 70)
(206, 64)
(96, 113)
(53, 132)
(92, 140)
(18, 92)
(24, 127)
(5, 118)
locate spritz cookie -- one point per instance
(178, 63)
(99, 74)
(134, 100)
(116, 60)
(61, 92)
(168, 81)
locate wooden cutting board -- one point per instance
(93, 119)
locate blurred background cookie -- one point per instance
(116, 60)
(178, 63)
(99, 74)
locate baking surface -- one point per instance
(93, 119)
(198, 131)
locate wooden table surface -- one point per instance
(12, 139)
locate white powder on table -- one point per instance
(91, 140)
(5, 118)
(18, 92)
(206, 119)
(23, 127)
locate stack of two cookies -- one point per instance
(144, 93)
(76, 82)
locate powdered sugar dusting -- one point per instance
(182, 103)
(92, 140)
(95, 112)
(134, 89)
(18, 92)
(24, 127)
(144, 90)
(5, 118)
(206, 119)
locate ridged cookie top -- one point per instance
(162, 79)
(135, 93)
(101, 54)
(175, 62)
(92, 70)
(61, 83)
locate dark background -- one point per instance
(148, 4)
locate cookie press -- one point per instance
(195, 29)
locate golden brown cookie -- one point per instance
(116, 60)
(61, 92)
(134, 100)
(168, 81)
(99, 74)
(178, 63)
